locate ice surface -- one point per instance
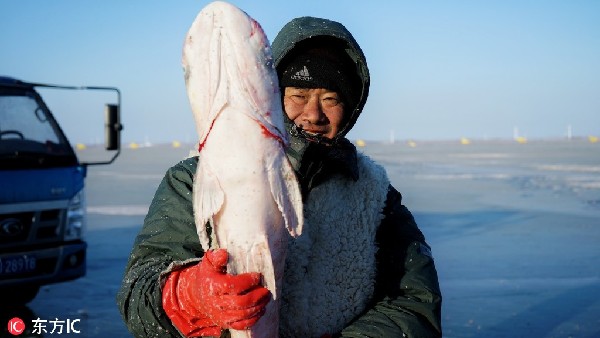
(514, 229)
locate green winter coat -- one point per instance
(406, 301)
(407, 298)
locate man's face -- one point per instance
(317, 111)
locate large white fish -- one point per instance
(244, 187)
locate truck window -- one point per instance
(29, 135)
(23, 116)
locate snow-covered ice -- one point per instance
(514, 229)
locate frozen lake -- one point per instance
(515, 232)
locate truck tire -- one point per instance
(20, 295)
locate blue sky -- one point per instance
(439, 69)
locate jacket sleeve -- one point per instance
(408, 300)
(167, 238)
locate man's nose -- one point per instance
(313, 111)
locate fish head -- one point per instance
(227, 60)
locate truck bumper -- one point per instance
(44, 266)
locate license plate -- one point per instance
(11, 265)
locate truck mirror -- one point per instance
(113, 127)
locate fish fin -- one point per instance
(208, 199)
(286, 192)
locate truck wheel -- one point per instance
(20, 294)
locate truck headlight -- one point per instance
(75, 225)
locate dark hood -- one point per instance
(302, 29)
(315, 162)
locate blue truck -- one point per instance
(42, 197)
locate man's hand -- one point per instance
(204, 299)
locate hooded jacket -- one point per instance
(400, 297)
(309, 32)
(307, 29)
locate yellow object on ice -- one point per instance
(360, 143)
(593, 139)
(521, 139)
(465, 141)
(80, 146)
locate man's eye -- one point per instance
(298, 99)
(330, 101)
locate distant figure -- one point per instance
(361, 267)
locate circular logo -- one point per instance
(16, 326)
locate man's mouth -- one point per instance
(312, 132)
(310, 135)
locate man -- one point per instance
(360, 269)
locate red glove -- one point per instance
(203, 299)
